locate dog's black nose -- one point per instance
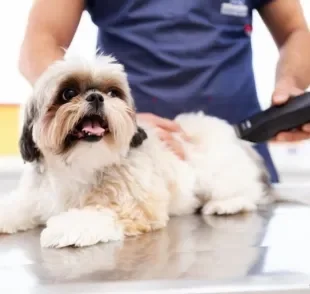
(95, 99)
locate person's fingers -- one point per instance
(282, 94)
(284, 91)
(171, 126)
(164, 135)
(176, 149)
(173, 144)
(167, 124)
(164, 123)
(279, 99)
(292, 136)
(306, 128)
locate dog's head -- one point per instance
(79, 106)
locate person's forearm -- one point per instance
(36, 55)
(294, 63)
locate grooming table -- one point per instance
(263, 252)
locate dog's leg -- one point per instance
(245, 195)
(137, 210)
(29, 205)
(17, 212)
(82, 227)
(234, 190)
(237, 182)
(140, 222)
(229, 206)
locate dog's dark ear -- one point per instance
(138, 138)
(27, 147)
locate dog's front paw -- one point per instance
(12, 222)
(14, 227)
(81, 228)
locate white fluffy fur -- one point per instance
(99, 193)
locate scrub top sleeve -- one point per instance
(258, 4)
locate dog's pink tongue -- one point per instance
(93, 127)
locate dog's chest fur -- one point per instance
(69, 180)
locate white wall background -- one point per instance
(13, 19)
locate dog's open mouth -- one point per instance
(91, 128)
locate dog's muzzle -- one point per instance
(95, 101)
(94, 125)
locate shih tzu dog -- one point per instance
(94, 173)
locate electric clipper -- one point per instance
(265, 125)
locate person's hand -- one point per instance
(284, 91)
(166, 128)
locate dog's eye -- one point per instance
(69, 93)
(114, 93)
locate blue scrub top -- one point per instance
(184, 55)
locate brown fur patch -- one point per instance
(60, 120)
(82, 82)
(135, 227)
(138, 217)
(134, 220)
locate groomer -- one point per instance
(181, 55)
